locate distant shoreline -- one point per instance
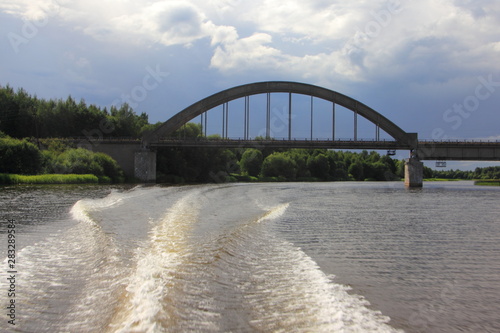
(13, 179)
(62, 179)
(491, 182)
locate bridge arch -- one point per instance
(217, 99)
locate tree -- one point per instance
(126, 122)
(319, 166)
(356, 170)
(188, 131)
(19, 156)
(279, 165)
(251, 162)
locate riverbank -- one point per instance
(489, 182)
(10, 179)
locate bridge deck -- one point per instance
(306, 144)
(459, 150)
(427, 150)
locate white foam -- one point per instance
(275, 212)
(151, 285)
(290, 293)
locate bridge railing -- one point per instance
(460, 141)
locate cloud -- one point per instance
(165, 22)
(356, 40)
(324, 41)
(253, 51)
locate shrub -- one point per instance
(251, 162)
(279, 165)
(19, 156)
(83, 161)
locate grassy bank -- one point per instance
(492, 182)
(49, 179)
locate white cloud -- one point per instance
(352, 40)
(166, 22)
(244, 53)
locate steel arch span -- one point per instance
(208, 103)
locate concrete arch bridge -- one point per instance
(143, 163)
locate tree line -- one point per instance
(23, 115)
(259, 163)
(26, 123)
(25, 158)
(492, 172)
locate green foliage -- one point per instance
(279, 165)
(22, 116)
(19, 156)
(148, 128)
(48, 179)
(111, 170)
(177, 165)
(319, 166)
(126, 123)
(196, 165)
(356, 170)
(479, 173)
(495, 182)
(83, 161)
(251, 162)
(188, 131)
(24, 158)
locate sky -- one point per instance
(429, 66)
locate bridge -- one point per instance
(144, 161)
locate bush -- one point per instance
(80, 161)
(319, 166)
(251, 162)
(111, 169)
(19, 156)
(279, 165)
(48, 179)
(83, 161)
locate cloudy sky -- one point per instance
(430, 66)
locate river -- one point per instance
(265, 257)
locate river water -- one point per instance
(287, 257)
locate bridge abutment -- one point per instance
(414, 173)
(145, 166)
(135, 161)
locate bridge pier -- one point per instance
(414, 173)
(145, 166)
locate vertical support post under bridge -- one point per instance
(333, 121)
(289, 116)
(206, 121)
(203, 124)
(223, 118)
(355, 125)
(227, 119)
(247, 117)
(312, 110)
(268, 116)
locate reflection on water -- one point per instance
(256, 257)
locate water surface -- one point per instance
(290, 257)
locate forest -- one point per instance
(32, 132)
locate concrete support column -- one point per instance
(145, 166)
(414, 172)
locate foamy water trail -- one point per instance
(281, 289)
(63, 277)
(149, 304)
(208, 264)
